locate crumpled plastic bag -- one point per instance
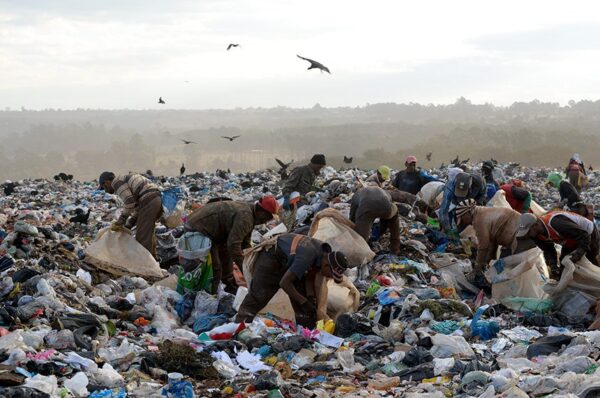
(118, 253)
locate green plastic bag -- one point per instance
(196, 279)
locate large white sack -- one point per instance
(118, 253)
(432, 193)
(524, 276)
(330, 226)
(583, 276)
(499, 200)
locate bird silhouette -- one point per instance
(186, 142)
(80, 216)
(456, 160)
(315, 65)
(428, 156)
(182, 169)
(231, 45)
(465, 161)
(161, 101)
(230, 138)
(283, 168)
(590, 168)
(348, 160)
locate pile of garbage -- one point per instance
(399, 325)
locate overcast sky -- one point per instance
(126, 53)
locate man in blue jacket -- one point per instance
(412, 179)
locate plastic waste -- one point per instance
(447, 346)
(486, 330)
(77, 385)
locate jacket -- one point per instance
(373, 201)
(412, 182)
(302, 180)
(518, 198)
(133, 190)
(568, 193)
(565, 228)
(478, 192)
(494, 226)
(299, 253)
(225, 223)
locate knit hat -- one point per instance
(464, 207)
(268, 203)
(318, 159)
(385, 172)
(554, 179)
(338, 263)
(105, 176)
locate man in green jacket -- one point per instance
(301, 180)
(229, 225)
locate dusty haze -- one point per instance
(85, 142)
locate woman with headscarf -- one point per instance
(576, 173)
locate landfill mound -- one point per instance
(421, 329)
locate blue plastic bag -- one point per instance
(180, 389)
(170, 198)
(485, 329)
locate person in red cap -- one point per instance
(412, 179)
(229, 225)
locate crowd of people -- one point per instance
(294, 259)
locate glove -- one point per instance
(577, 255)
(286, 203)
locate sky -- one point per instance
(114, 54)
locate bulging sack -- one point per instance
(330, 226)
(521, 275)
(118, 253)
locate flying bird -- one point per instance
(232, 45)
(348, 160)
(186, 142)
(160, 100)
(428, 156)
(283, 168)
(315, 65)
(230, 138)
(182, 169)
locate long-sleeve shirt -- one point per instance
(412, 182)
(568, 192)
(302, 180)
(477, 192)
(225, 223)
(573, 230)
(494, 226)
(372, 201)
(518, 198)
(133, 189)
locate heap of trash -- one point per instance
(79, 320)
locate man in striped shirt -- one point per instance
(142, 205)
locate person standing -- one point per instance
(412, 179)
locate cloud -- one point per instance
(562, 38)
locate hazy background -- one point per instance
(63, 61)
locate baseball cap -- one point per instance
(526, 221)
(411, 159)
(462, 184)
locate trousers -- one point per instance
(147, 215)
